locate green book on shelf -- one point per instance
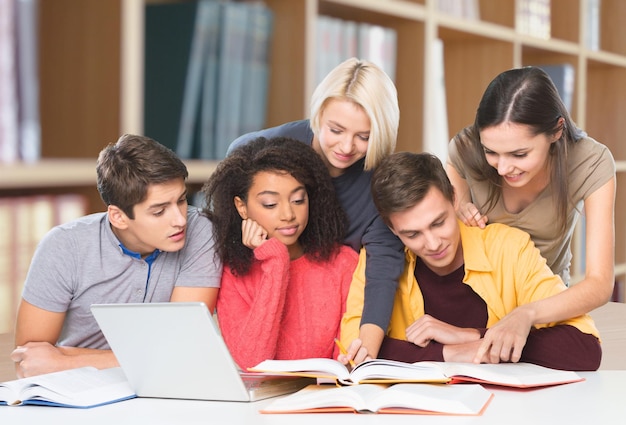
(168, 34)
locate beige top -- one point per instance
(590, 166)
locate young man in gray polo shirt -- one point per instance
(149, 246)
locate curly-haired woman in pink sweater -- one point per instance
(278, 228)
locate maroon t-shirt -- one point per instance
(448, 299)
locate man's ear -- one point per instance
(241, 207)
(117, 217)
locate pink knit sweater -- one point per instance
(284, 309)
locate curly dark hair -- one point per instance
(233, 177)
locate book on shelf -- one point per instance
(9, 113)
(68, 207)
(33, 217)
(429, 399)
(592, 24)
(169, 28)
(256, 68)
(330, 46)
(338, 40)
(518, 375)
(82, 387)
(7, 296)
(207, 15)
(562, 75)
(208, 100)
(24, 220)
(436, 142)
(227, 77)
(378, 45)
(468, 9)
(532, 17)
(350, 39)
(28, 80)
(233, 30)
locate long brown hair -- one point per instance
(523, 96)
(127, 168)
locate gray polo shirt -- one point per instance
(81, 263)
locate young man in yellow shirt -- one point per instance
(458, 281)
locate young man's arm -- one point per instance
(189, 294)
(36, 333)
(562, 347)
(558, 347)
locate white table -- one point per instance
(600, 399)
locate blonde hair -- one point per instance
(366, 85)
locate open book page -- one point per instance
(313, 367)
(519, 375)
(81, 387)
(375, 398)
(390, 371)
(370, 371)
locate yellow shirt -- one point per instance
(502, 265)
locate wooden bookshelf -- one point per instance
(55, 176)
(475, 51)
(49, 173)
(91, 88)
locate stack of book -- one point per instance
(387, 386)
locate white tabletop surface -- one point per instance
(599, 400)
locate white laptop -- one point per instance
(174, 350)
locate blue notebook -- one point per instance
(82, 387)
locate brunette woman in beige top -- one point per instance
(525, 163)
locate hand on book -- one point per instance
(355, 354)
(465, 353)
(520, 375)
(505, 341)
(427, 328)
(36, 358)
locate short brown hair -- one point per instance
(126, 168)
(403, 179)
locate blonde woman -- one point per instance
(353, 126)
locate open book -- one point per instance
(519, 375)
(428, 399)
(81, 387)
